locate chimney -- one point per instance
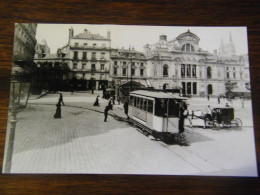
(108, 34)
(163, 38)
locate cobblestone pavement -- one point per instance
(80, 142)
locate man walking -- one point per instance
(106, 113)
(126, 108)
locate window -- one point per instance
(174, 106)
(234, 75)
(228, 75)
(133, 71)
(84, 57)
(115, 62)
(94, 45)
(84, 66)
(188, 70)
(227, 68)
(187, 48)
(102, 55)
(189, 88)
(75, 55)
(150, 106)
(93, 56)
(141, 72)
(234, 68)
(124, 71)
(182, 71)
(124, 63)
(194, 88)
(144, 104)
(85, 44)
(75, 65)
(93, 67)
(165, 70)
(102, 66)
(76, 44)
(142, 64)
(194, 74)
(115, 71)
(209, 72)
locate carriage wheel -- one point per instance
(236, 123)
(216, 125)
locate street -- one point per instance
(81, 142)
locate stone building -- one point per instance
(125, 62)
(24, 45)
(181, 61)
(89, 58)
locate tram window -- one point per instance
(161, 107)
(138, 102)
(131, 100)
(135, 98)
(174, 106)
(150, 106)
(144, 104)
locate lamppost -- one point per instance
(19, 95)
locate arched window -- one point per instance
(209, 73)
(165, 70)
(187, 48)
(210, 89)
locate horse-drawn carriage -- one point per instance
(220, 117)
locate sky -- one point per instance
(125, 36)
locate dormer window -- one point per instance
(187, 48)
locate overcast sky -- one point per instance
(57, 35)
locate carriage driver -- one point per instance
(183, 114)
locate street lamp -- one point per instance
(19, 95)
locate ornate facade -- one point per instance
(196, 71)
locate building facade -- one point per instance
(24, 45)
(89, 58)
(197, 72)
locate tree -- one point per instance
(229, 87)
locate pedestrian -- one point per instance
(106, 113)
(113, 99)
(92, 90)
(126, 104)
(61, 99)
(118, 99)
(227, 105)
(96, 102)
(183, 115)
(58, 111)
(218, 100)
(110, 104)
(208, 116)
(208, 97)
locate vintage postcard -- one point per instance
(114, 99)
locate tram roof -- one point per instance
(156, 94)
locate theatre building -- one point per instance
(89, 56)
(181, 61)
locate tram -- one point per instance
(157, 113)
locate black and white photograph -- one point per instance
(125, 99)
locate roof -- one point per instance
(160, 95)
(90, 36)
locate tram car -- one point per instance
(157, 113)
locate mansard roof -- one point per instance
(189, 36)
(90, 36)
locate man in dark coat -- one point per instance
(106, 113)
(126, 108)
(97, 101)
(183, 115)
(61, 99)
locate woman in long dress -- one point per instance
(58, 110)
